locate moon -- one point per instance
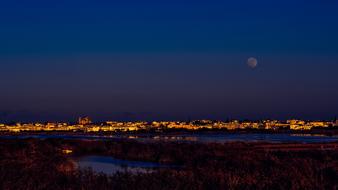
(252, 62)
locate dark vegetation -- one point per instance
(41, 164)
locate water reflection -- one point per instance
(201, 137)
(110, 165)
(250, 137)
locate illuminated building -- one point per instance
(84, 121)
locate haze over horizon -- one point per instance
(168, 60)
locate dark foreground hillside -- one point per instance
(43, 164)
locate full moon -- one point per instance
(252, 62)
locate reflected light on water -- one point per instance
(110, 165)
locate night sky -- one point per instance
(168, 60)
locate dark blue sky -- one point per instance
(168, 59)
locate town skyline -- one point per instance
(86, 124)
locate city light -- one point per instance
(86, 125)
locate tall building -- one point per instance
(84, 121)
(335, 122)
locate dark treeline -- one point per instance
(41, 164)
